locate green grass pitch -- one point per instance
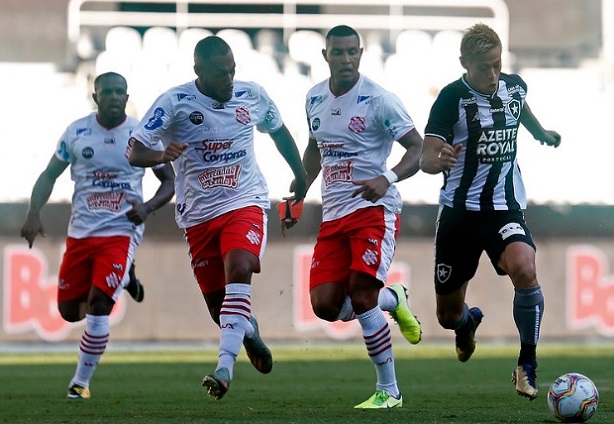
(309, 384)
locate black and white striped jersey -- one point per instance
(486, 176)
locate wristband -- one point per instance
(391, 176)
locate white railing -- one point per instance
(447, 14)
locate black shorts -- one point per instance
(463, 235)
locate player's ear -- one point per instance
(95, 98)
(324, 55)
(463, 61)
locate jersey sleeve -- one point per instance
(394, 116)
(271, 121)
(63, 151)
(153, 129)
(443, 116)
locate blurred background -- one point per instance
(564, 49)
(51, 51)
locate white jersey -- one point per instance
(217, 173)
(355, 132)
(104, 179)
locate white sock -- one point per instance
(93, 343)
(387, 299)
(234, 323)
(376, 333)
(347, 311)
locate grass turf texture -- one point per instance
(309, 385)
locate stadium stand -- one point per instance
(406, 41)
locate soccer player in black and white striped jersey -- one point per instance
(471, 137)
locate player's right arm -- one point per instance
(40, 195)
(143, 156)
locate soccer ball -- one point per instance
(573, 398)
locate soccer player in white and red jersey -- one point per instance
(107, 218)
(471, 137)
(207, 127)
(353, 123)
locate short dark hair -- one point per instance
(341, 31)
(107, 75)
(209, 47)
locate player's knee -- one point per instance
(325, 311)
(448, 319)
(70, 313)
(524, 276)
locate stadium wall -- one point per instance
(574, 252)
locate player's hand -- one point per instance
(138, 213)
(173, 151)
(372, 189)
(552, 138)
(32, 228)
(448, 156)
(299, 187)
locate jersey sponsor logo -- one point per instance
(224, 176)
(156, 120)
(330, 144)
(184, 96)
(315, 100)
(215, 144)
(109, 140)
(497, 145)
(468, 101)
(269, 117)
(514, 89)
(243, 116)
(197, 117)
(510, 229)
(361, 99)
(210, 150)
(391, 129)
(241, 93)
(218, 105)
(87, 153)
(63, 151)
(106, 179)
(443, 272)
(331, 153)
(315, 124)
(357, 124)
(513, 108)
(84, 131)
(335, 111)
(339, 172)
(105, 201)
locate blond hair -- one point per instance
(478, 39)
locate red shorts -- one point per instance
(363, 241)
(94, 261)
(210, 241)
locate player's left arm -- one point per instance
(163, 195)
(532, 124)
